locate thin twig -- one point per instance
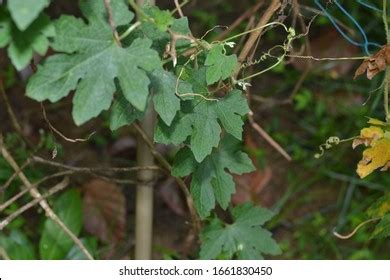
(4, 254)
(275, 4)
(386, 24)
(53, 129)
(35, 185)
(249, 12)
(387, 77)
(87, 169)
(178, 8)
(43, 203)
(327, 58)
(10, 111)
(12, 115)
(267, 137)
(107, 4)
(16, 173)
(60, 186)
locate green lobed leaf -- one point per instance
(162, 19)
(201, 120)
(220, 65)
(166, 102)
(210, 180)
(123, 113)
(161, 39)
(55, 243)
(17, 246)
(25, 12)
(244, 238)
(92, 61)
(23, 44)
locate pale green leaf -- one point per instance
(220, 65)
(24, 12)
(162, 19)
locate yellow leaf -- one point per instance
(376, 122)
(372, 132)
(378, 155)
(368, 136)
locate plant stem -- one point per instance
(387, 77)
(144, 196)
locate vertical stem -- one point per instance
(144, 196)
(387, 78)
(384, 14)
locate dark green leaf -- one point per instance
(23, 44)
(55, 243)
(210, 180)
(17, 246)
(123, 113)
(95, 59)
(199, 121)
(244, 239)
(382, 229)
(165, 100)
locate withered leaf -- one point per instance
(375, 63)
(104, 210)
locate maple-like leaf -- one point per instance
(375, 63)
(244, 238)
(201, 120)
(23, 44)
(92, 61)
(161, 19)
(220, 65)
(210, 180)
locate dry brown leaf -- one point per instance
(104, 210)
(375, 63)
